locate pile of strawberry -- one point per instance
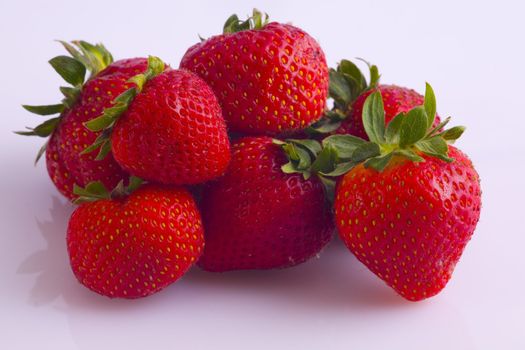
(233, 161)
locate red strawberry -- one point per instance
(411, 204)
(257, 217)
(349, 89)
(410, 223)
(134, 246)
(269, 78)
(84, 101)
(180, 138)
(168, 129)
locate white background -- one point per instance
(472, 53)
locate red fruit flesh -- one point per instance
(173, 132)
(396, 99)
(410, 223)
(134, 247)
(257, 217)
(65, 165)
(270, 81)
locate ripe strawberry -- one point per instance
(349, 89)
(409, 203)
(410, 223)
(133, 246)
(67, 136)
(269, 78)
(257, 217)
(167, 129)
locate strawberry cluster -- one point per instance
(233, 161)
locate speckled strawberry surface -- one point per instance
(410, 223)
(65, 165)
(136, 246)
(396, 99)
(173, 132)
(257, 217)
(272, 80)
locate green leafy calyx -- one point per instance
(96, 190)
(85, 57)
(257, 20)
(347, 82)
(408, 135)
(105, 122)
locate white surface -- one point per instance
(473, 55)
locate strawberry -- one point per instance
(83, 101)
(409, 203)
(270, 78)
(349, 89)
(124, 245)
(257, 217)
(168, 128)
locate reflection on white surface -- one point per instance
(49, 266)
(333, 292)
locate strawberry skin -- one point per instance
(173, 132)
(136, 246)
(65, 165)
(410, 223)
(272, 80)
(396, 99)
(257, 217)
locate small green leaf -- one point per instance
(413, 127)
(298, 156)
(70, 95)
(101, 139)
(409, 154)
(374, 77)
(339, 89)
(340, 169)
(289, 168)
(43, 130)
(230, 25)
(305, 160)
(379, 163)
(41, 151)
(350, 70)
(345, 145)
(326, 160)
(323, 127)
(105, 148)
(365, 151)
(100, 123)
(92, 192)
(95, 57)
(453, 133)
(374, 74)
(70, 69)
(126, 97)
(260, 19)
(134, 183)
(45, 110)
(312, 146)
(435, 146)
(392, 129)
(374, 117)
(72, 51)
(155, 67)
(139, 80)
(438, 127)
(430, 105)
